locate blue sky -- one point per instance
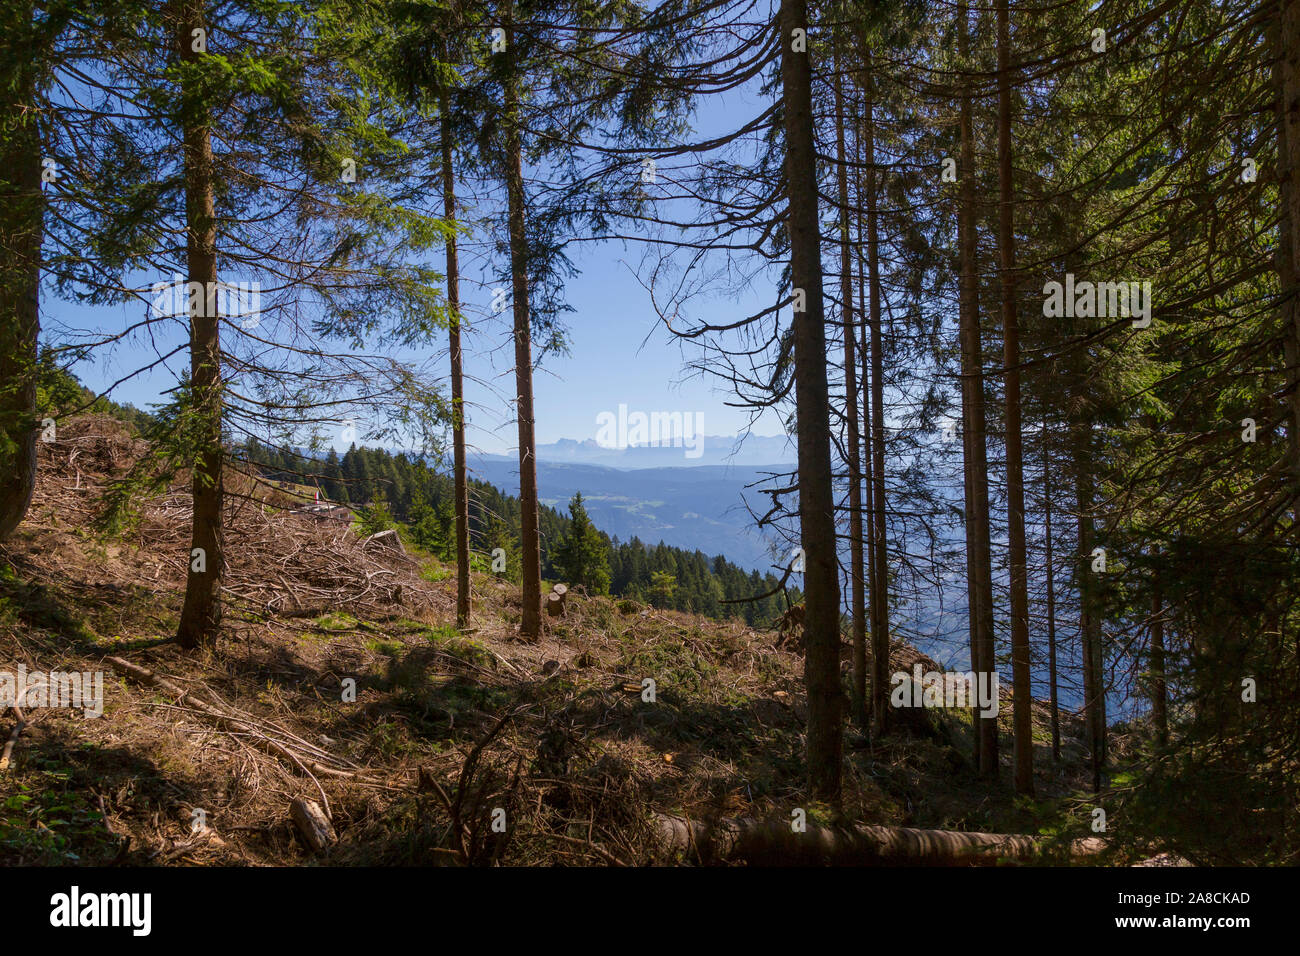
(619, 351)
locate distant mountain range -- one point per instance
(701, 451)
(700, 507)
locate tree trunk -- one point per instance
(531, 558)
(1285, 36)
(1159, 689)
(457, 376)
(863, 355)
(201, 615)
(22, 209)
(1051, 601)
(1094, 691)
(852, 410)
(979, 562)
(868, 473)
(776, 843)
(880, 561)
(812, 405)
(1023, 703)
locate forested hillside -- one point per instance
(423, 499)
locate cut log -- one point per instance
(560, 589)
(312, 824)
(774, 843)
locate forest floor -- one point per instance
(446, 728)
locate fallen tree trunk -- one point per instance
(774, 843)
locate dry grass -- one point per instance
(446, 728)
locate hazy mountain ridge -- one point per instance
(699, 451)
(698, 508)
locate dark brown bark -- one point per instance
(979, 561)
(1020, 664)
(816, 498)
(852, 411)
(1051, 601)
(863, 356)
(880, 560)
(1159, 689)
(21, 230)
(1285, 37)
(1094, 692)
(200, 620)
(529, 540)
(457, 375)
(864, 352)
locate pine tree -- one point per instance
(200, 619)
(662, 589)
(376, 516)
(816, 501)
(1024, 742)
(291, 89)
(331, 478)
(23, 40)
(582, 557)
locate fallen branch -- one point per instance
(590, 847)
(13, 737)
(178, 850)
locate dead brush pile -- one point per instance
(278, 561)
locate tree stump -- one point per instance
(385, 539)
(555, 600)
